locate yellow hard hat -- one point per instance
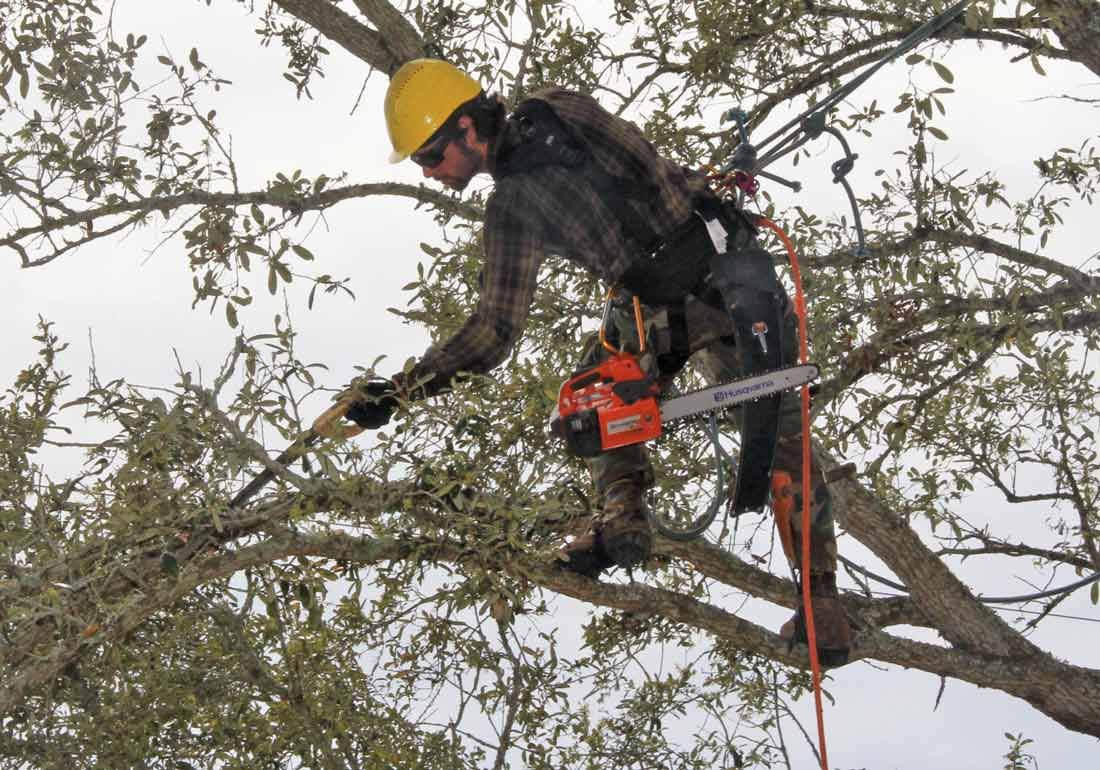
(422, 95)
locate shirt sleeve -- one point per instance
(513, 253)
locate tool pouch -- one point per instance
(745, 277)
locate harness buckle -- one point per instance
(760, 331)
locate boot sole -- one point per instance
(628, 549)
(832, 658)
(585, 563)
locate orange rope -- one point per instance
(637, 320)
(803, 355)
(641, 326)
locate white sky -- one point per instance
(138, 309)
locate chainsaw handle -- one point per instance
(327, 424)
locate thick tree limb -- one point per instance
(1076, 23)
(385, 49)
(987, 652)
(401, 38)
(720, 565)
(941, 597)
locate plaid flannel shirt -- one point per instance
(554, 210)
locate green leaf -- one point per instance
(302, 252)
(1037, 66)
(272, 279)
(164, 60)
(937, 133)
(943, 72)
(169, 565)
(257, 215)
(231, 315)
(914, 58)
(1094, 594)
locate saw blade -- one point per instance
(737, 392)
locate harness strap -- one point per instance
(679, 340)
(534, 136)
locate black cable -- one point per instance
(911, 41)
(1008, 609)
(983, 599)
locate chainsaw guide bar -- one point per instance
(737, 392)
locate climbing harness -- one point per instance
(534, 136)
(667, 271)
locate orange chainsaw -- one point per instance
(616, 404)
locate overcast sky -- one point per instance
(137, 308)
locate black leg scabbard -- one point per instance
(751, 293)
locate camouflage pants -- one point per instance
(710, 341)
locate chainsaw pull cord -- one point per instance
(807, 603)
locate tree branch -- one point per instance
(401, 38)
(1075, 22)
(940, 596)
(372, 46)
(317, 202)
(1063, 692)
(1016, 549)
(721, 565)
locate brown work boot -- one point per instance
(620, 535)
(834, 635)
(624, 530)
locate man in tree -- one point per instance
(572, 179)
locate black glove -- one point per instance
(377, 401)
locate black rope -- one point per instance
(812, 123)
(983, 599)
(1016, 610)
(911, 41)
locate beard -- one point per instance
(471, 164)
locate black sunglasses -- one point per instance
(431, 152)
